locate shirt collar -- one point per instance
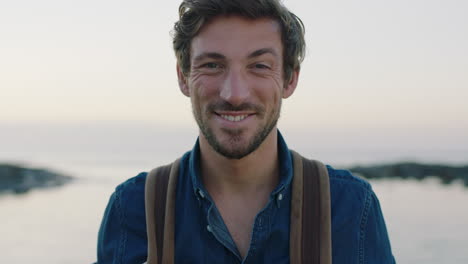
(285, 167)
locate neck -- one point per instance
(255, 173)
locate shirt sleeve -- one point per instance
(122, 234)
(110, 233)
(375, 244)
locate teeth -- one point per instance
(234, 118)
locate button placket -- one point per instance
(218, 232)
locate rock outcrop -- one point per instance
(414, 170)
(19, 179)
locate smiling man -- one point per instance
(240, 195)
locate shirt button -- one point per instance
(200, 192)
(280, 197)
(208, 227)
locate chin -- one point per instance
(235, 145)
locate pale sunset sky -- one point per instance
(376, 72)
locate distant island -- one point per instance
(405, 170)
(19, 179)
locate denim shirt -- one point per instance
(359, 234)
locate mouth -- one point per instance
(233, 116)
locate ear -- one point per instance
(182, 82)
(290, 87)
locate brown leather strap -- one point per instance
(310, 214)
(155, 200)
(310, 231)
(325, 215)
(169, 240)
(159, 186)
(295, 230)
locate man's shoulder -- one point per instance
(348, 190)
(357, 222)
(346, 178)
(134, 184)
(130, 194)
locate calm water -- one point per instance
(427, 221)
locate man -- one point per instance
(237, 60)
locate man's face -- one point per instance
(236, 83)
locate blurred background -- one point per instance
(88, 90)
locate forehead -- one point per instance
(237, 36)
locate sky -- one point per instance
(386, 72)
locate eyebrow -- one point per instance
(209, 55)
(263, 51)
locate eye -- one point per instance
(261, 66)
(211, 65)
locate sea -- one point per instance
(427, 221)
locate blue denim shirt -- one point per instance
(359, 234)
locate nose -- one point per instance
(235, 87)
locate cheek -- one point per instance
(270, 92)
(205, 87)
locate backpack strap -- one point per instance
(310, 231)
(160, 190)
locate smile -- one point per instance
(234, 118)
